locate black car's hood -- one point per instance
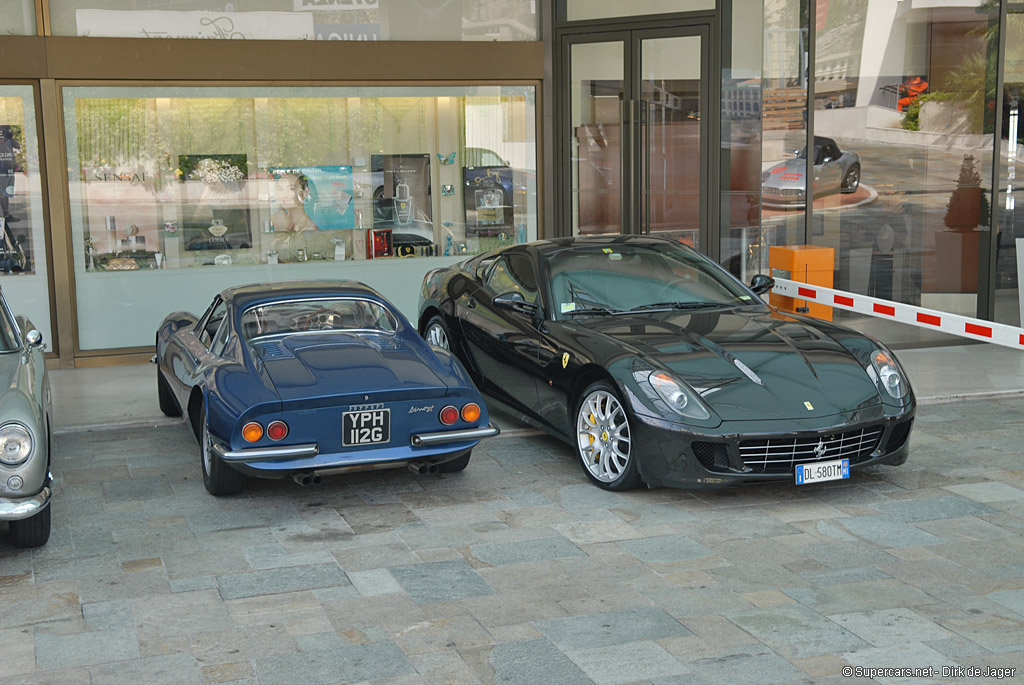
(747, 363)
(311, 365)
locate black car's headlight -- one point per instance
(15, 443)
(679, 398)
(888, 374)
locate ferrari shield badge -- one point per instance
(565, 359)
(810, 407)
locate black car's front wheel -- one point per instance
(33, 531)
(436, 333)
(603, 441)
(218, 478)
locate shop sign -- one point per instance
(175, 24)
(305, 5)
(348, 31)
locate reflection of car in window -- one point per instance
(834, 171)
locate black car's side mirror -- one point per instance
(515, 302)
(761, 284)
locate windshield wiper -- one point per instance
(679, 305)
(594, 310)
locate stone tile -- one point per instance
(180, 614)
(55, 651)
(19, 656)
(989, 491)
(440, 581)
(532, 662)
(797, 632)
(626, 663)
(377, 581)
(610, 628)
(35, 604)
(865, 596)
(665, 549)
(357, 662)
(176, 669)
(275, 581)
(525, 551)
(885, 627)
(1011, 599)
(111, 615)
(740, 668)
(930, 508)
(456, 632)
(887, 531)
(444, 666)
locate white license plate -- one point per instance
(822, 471)
(367, 427)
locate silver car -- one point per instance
(835, 171)
(25, 411)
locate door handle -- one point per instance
(471, 302)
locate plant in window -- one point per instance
(967, 207)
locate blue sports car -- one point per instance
(312, 378)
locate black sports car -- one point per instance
(659, 366)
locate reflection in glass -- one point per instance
(905, 89)
(1009, 264)
(596, 92)
(18, 17)
(365, 20)
(670, 71)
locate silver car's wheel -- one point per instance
(852, 179)
(206, 444)
(436, 333)
(603, 441)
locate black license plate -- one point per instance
(366, 427)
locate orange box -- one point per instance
(809, 264)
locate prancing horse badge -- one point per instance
(810, 407)
(565, 359)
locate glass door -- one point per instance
(638, 159)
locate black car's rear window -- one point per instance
(320, 314)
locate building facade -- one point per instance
(154, 152)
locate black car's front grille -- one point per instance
(898, 435)
(779, 455)
(713, 456)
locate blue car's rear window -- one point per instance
(320, 314)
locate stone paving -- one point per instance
(519, 571)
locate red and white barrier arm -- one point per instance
(975, 329)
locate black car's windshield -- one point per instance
(623, 277)
(322, 314)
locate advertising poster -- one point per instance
(488, 198)
(401, 193)
(15, 237)
(215, 203)
(321, 194)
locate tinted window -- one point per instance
(514, 274)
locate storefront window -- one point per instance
(23, 267)
(1009, 264)
(18, 17)
(577, 10)
(904, 116)
(361, 20)
(179, 192)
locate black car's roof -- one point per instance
(243, 295)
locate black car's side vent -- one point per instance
(898, 435)
(711, 455)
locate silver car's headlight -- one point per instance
(678, 397)
(15, 443)
(888, 374)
